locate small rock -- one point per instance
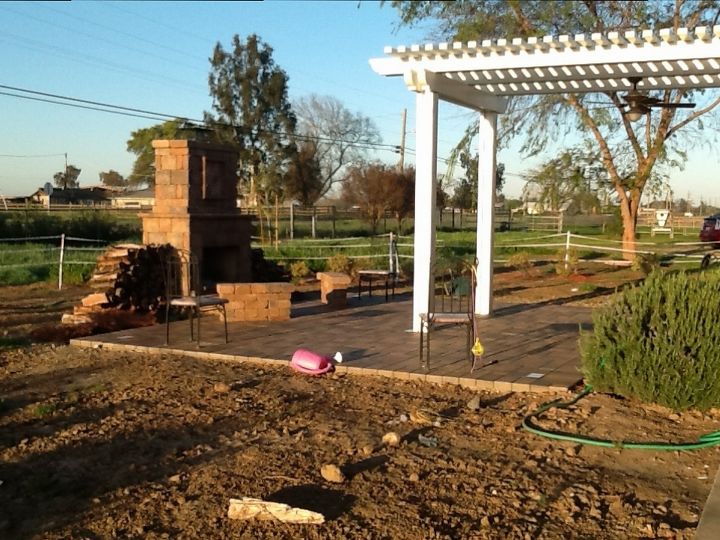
(174, 479)
(485, 521)
(474, 404)
(332, 473)
(221, 388)
(391, 439)
(367, 450)
(572, 451)
(413, 477)
(674, 417)
(420, 417)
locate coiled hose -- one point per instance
(704, 441)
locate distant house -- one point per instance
(85, 196)
(143, 199)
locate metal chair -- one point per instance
(183, 289)
(389, 276)
(452, 302)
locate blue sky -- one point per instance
(154, 56)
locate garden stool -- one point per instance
(333, 288)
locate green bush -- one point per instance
(340, 263)
(659, 342)
(520, 261)
(298, 270)
(646, 263)
(566, 267)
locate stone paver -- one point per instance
(534, 347)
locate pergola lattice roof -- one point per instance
(578, 64)
(484, 75)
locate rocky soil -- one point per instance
(98, 444)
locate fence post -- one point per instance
(313, 222)
(62, 256)
(453, 219)
(560, 222)
(292, 221)
(333, 221)
(567, 251)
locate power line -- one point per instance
(30, 156)
(157, 116)
(77, 106)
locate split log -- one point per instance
(249, 508)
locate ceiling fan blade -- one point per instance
(674, 105)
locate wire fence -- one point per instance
(565, 246)
(63, 252)
(56, 251)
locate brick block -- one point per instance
(226, 289)
(150, 226)
(277, 287)
(243, 288)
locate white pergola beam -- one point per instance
(463, 94)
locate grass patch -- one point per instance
(13, 342)
(44, 409)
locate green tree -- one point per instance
(251, 108)
(67, 178)
(561, 181)
(303, 178)
(342, 138)
(113, 179)
(629, 152)
(140, 144)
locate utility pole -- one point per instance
(401, 164)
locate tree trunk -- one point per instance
(629, 212)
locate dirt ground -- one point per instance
(98, 444)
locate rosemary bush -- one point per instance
(659, 342)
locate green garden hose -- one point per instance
(704, 441)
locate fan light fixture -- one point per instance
(634, 115)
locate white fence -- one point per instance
(677, 252)
(55, 256)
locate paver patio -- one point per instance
(534, 346)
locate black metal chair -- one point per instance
(183, 290)
(452, 302)
(389, 276)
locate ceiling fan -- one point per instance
(640, 104)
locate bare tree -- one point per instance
(342, 138)
(368, 187)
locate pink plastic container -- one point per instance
(310, 363)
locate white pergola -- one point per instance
(483, 75)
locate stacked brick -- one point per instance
(256, 301)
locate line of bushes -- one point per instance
(87, 224)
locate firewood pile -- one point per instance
(127, 277)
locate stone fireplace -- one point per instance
(195, 208)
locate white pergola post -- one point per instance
(426, 114)
(487, 134)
